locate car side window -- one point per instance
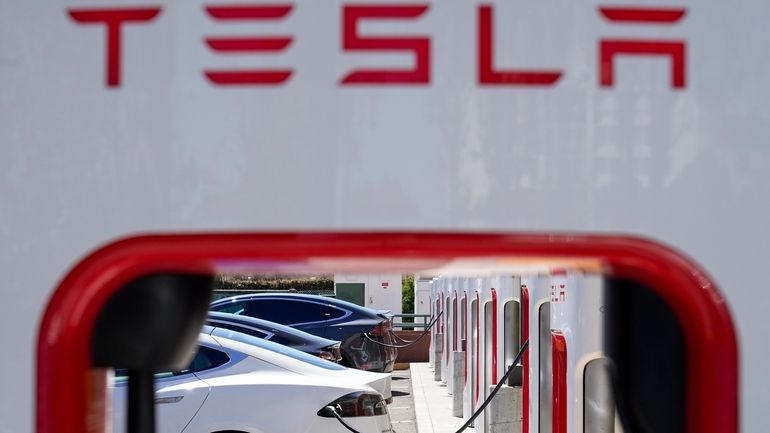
(335, 312)
(305, 312)
(232, 308)
(266, 309)
(285, 312)
(205, 358)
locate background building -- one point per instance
(378, 291)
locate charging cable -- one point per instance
(430, 325)
(478, 411)
(499, 385)
(333, 411)
(409, 343)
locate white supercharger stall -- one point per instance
(538, 374)
(488, 328)
(639, 117)
(581, 393)
(450, 331)
(507, 321)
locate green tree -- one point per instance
(407, 297)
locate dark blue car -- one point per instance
(277, 333)
(354, 326)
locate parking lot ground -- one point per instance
(432, 402)
(402, 408)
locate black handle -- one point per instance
(141, 402)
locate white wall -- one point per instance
(81, 164)
(382, 290)
(421, 297)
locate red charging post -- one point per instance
(494, 336)
(454, 324)
(559, 353)
(476, 333)
(464, 301)
(525, 359)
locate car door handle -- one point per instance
(164, 400)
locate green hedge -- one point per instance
(225, 286)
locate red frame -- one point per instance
(494, 337)
(454, 324)
(525, 358)
(441, 323)
(478, 345)
(559, 381)
(440, 306)
(464, 303)
(447, 343)
(66, 403)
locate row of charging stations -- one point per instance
(566, 385)
(479, 316)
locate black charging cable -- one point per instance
(401, 346)
(333, 411)
(427, 328)
(401, 340)
(503, 380)
(500, 384)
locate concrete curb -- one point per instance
(432, 403)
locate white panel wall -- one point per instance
(382, 290)
(422, 297)
(81, 164)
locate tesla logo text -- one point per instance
(609, 49)
(487, 72)
(418, 47)
(249, 44)
(113, 19)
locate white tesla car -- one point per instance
(238, 383)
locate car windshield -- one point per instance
(275, 347)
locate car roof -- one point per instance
(270, 326)
(305, 297)
(265, 350)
